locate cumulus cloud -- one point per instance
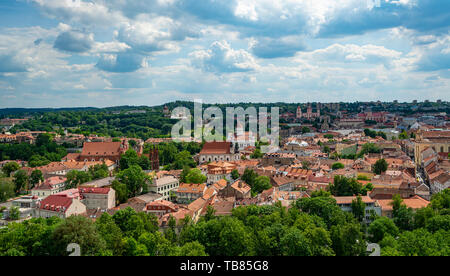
(435, 56)
(10, 64)
(121, 63)
(151, 34)
(74, 41)
(353, 53)
(275, 48)
(221, 58)
(358, 18)
(82, 12)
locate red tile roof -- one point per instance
(101, 149)
(89, 190)
(216, 148)
(56, 203)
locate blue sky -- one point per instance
(66, 53)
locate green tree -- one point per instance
(382, 227)
(235, 174)
(343, 186)
(111, 233)
(403, 135)
(14, 213)
(256, 154)
(402, 215)
(348, 240)
(10, 168)
(43, 139)
(79, 230)
(7, 189)
(121, 191)
(20, 181)
(184, 173)
(134, 178)
(98, 171)
(193, 249)
(441, 200)
(261, 184)
(35, 178)
(380, 166)
(249, 176)
(337, 166)
(358, 208)
(128, 159)
(76, 178)
(195, 176)
(294, 243)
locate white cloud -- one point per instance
(221, 58)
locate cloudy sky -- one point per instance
(66, 53)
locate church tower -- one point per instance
(299, 112)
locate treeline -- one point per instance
(44, 151)
(311, 227)
(102, 123)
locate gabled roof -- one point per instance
(191, 188)
(216, 148)
(101, 148)
(56, 203)
(89, 190)
(241, 186)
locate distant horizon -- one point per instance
(229, 103)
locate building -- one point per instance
(188, 193)
(161, 207)
(50, 186)
(372, 206)
(98, 198)
(242, 139)
(278, 159)
(59, 206)
(283, 183)
(238, 190)
(415, 203)
(439, 141)
(218, 151)
(100, 151)
(350, 123)
(309, 113)
(62, 168)
(164, 186)
(219, 170)
(379, 117)
(440, 183)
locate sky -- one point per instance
(99, 53)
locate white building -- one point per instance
(372, 206)
(164, 186)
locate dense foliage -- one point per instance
(314, 226)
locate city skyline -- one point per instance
(72, 53)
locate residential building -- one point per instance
(187, 193)
(59, 206)
(50, 186)
(164, 186)
(98, 198)
(218, 171)
(372, 206)
(415, 203)
(161, 207)
(239, 190)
